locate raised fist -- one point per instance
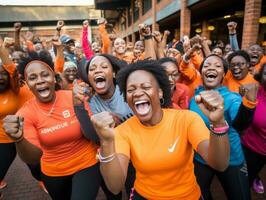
(17, 26)
(249, 90)
(60, 25)
(166, 33)
(81, 92)
(232, 27)
(211, 104)
(104, 124)
(85, 24)
(157, 36)
(144, 30)
(13, 126)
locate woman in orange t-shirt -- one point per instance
(159, 141)
(46, 130)
(9, 103)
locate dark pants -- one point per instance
(83, 185)
(255, 163)
(234, 181)
(7, 155)
(35, 171)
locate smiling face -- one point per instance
(172, 72)
(143, 97)
(212, 72)
(96, 47)
(4, 79)
(239, 67)
(255, 52)
(41, 81)
(218, 52)
(100, 75)
(70, 74)
(227, 48)
(119, 46)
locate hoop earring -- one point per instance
(162, 101)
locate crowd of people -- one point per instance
(158, 120)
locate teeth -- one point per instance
(140, 102)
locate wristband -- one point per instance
(103, 159)
(19, 139)
(147, 37)
(219, 130)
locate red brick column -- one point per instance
(251, 22)
(185, 16)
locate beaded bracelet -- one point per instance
(104, 159)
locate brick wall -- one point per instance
(251, 22)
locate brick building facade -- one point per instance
(190, 17)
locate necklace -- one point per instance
(50, 111)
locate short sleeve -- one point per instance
(30, 132)
(121, 143)
(197, 130)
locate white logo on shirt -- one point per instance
(171, 149)
(66, 114)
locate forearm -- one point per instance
(59, 60)
(86, 124)
(218, 152)
(4, 56)
(149, 50)
(85, 44)
(17, 40)
(105, 38)
(112, 171)
(28, 152)
(244, 116)
(206, 49)
(160, 50)
(233, 42)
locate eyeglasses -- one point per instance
(174, 75)
(241, 65)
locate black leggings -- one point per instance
(7, 155)
(83, 185)
(35, 171)
(234, 181)
(255, 163)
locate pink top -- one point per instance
(85, 44)
(255, 136)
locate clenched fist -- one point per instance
(249, 90)
(81, 92)
(104, 124)
(211, 104)
(13, 126)
(17, 26)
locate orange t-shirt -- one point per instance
(8, 106)
(234, 84)
(24, 95)
(163, 154)
(65, 150)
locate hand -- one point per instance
(85, 24)
(8, 42)
(56, 42)
(60, 25)
(166, 33)
(104, 125)
(195, 39)
(232, 27)
(249, 90)
(13, 126)
(81, 92)
(194, 48)
(144, 30)
(112, 37)
(211, 104)
(17, 26)
(157, 36)
(186, 43)
(101, 21)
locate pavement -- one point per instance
(22, 186)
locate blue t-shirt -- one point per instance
(232, 102)
(115, 105)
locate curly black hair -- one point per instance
(168, 59)
(258, 76)
(241, 53)
(225, 63)
(152, 67)
(43, 56)
(83, 68)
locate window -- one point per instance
(147, 4)
(136, 10)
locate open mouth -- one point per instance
(211, 76)
(142, 107)
(44, 92)
(100, 82)
(254, 59)
(236, 73)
